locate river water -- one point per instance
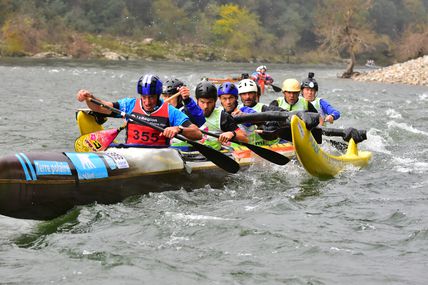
(268, 225)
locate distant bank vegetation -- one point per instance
(310, 31)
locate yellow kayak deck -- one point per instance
(318, 162)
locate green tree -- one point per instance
(238, 29)
(414, 39)
(345, 28)
(171, 22)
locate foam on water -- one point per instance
(405, 127)
(409, 165)
(393, 114)
(182, 216)
(423, 97)
(375, 142)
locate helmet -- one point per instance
(291, 85)
(149, 85)
(227, 88)
(206, 89)
(261, 67)
(247, 85)
(310, 82)
(171, 86)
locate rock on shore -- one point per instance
(410, 72)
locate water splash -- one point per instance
(409, 165)
(405, 127)
(393, 114)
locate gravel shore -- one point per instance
(410, 72)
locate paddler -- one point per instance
(262, 78)
(290, 100)
(248, 91)
(183, 101)
(217, 119)
(228, 95)
(309, 88)
(147, 107)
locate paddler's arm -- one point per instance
(230, 129)
(331, 113)
(181, 124)
(192, 109)
(187, 129)
(85, 95)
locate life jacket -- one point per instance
(300, 105)
(253, 137)
(139, 134)
(261, 81)
(317, 104)
(212, 124)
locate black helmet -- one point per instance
(206, 89)
(310, 82)
(170, 87)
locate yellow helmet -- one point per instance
(291, 85)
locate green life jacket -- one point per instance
(212, 124)
(253, 137)
(300, 105)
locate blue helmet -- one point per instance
(149, 85)
(227, 88)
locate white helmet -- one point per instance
(247, 85)
(261, 67)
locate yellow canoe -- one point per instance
(318, 162)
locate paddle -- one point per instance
(265, 153)
(311, 119)
(221, 80)
(221, 160)
(276, 88)
(346, 134)
(171, 97)
(97, 141)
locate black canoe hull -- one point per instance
(29, 191)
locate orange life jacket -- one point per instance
(144, 135)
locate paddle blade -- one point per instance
(268, 154)
(276, 88)
(96, 141)
(220, 159)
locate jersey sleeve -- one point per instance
(126, 105)
(194, 112)
(176, 117)
(328, 109)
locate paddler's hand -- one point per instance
(329, 118)
(226, 137)
(184, 92)
(236, 112)
(170, 132)
(84, 95)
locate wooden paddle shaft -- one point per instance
(172, 97)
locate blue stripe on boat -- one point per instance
(24, 167)
(30, 166)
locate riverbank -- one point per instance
(413, 72)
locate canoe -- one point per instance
(316, 161)
(45, 185)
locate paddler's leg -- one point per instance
(88, 122)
